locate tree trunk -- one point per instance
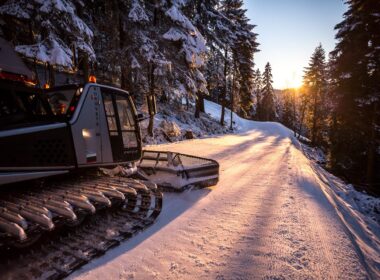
(155, 14)
(201, 103)
(51, 75)
(151, 82)
(232, 98)
(150, 126)
(85, 66)
(222, 114)
(123, 79)
(258, 105)
(164, 97)
(225, 89)
(125, 82)
(372, 149)
(197, 105)
(314, 126)
(333, 137)
(294, 117)
(231, 111)
(303, 110)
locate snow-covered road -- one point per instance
(268, 218)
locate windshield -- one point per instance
(60, 100)
(23, 106)
(17, 106)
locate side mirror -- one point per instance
(152, 106)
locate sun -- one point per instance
(290, 78)
(295, 82)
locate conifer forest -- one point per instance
(192, 50)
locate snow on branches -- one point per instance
(194, 45)
(137, 13)
(58, 30)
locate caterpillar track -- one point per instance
(74, 218)
(109, 211)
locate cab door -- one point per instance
(124, 132)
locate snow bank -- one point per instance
(360, 214)
(172, 125)
(208, 125)
(239, 124)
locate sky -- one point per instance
(289, 31)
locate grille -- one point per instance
(50, 151)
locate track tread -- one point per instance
(63, 254)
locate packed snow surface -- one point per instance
(274, 215)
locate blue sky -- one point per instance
(289, 31)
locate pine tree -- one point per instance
(223, 41)
(105, 20)
(287, 116)
(187, 49)
(268, 109)
(217, 30)
(356, 76)
(257, 88)
(205, 16)
(172, 48)
(243, 49)
(315, 84)
(47, 31)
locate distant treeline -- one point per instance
(338, 106)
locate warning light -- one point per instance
(62, 109)
(46, 86)
(92, 79)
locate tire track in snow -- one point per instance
(334, 254)
(260, 222)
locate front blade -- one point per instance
(176, 170)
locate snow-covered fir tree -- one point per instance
(355, 134)
(257, 87)
(171, 48)
(243, 49)
(287, 116)
(185, 44)
(268, 105)
(49, 31)
(315, 85)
